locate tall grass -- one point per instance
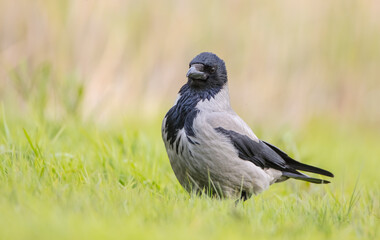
(295, 59)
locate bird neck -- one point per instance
(219, 102)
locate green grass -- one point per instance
(69, 179)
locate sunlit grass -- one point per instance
(73, 180)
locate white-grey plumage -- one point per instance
(211, 149)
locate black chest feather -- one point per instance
(182, 114)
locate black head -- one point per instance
(207, 71)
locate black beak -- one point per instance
(195, 72)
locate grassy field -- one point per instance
(84, 86)
(70, 180)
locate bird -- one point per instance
(212, 150)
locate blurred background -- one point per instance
(288, 61)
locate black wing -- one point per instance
(266, 155)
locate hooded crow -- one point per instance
(212, 150)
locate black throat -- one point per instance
(184, 112)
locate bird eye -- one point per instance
(212, 70)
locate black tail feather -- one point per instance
(305, 178)
(297, 165)
(307, 168)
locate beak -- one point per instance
(195, 72)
